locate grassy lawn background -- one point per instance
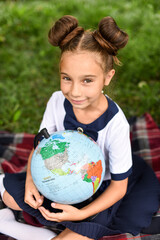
(29, 64)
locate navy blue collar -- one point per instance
(91, 129)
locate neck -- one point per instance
(89, 115)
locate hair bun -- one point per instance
(110, 36)
(64, 30)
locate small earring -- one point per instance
(102, 91)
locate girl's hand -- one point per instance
(32, 196)
(69, 213)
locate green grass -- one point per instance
(29, 64)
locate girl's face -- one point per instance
(83, 78)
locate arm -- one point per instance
(32, 196)
(115, 191)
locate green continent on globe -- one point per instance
(55, 155)
(52, 148)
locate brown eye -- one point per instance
(87, 80)
(66, 78)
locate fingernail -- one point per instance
(53, 205)
(40, 200)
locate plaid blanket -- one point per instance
(145, 141)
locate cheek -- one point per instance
(93, 92)
(61, 85)
(64, 87)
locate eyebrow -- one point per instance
(88, 75)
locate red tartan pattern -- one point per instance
(15, 155)
(145, 141)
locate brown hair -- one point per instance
(106, 40)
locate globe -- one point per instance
(68, 167)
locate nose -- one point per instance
(76, 90)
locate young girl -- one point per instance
(130, 192)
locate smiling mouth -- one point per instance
(77, 101)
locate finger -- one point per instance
(46, 212)
(31, 200)
(59, 206)
(38, 197)
(40, 200)
(48, 215)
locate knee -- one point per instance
(10, 202)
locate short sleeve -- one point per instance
(119, 151)
(48, 120)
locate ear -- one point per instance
(108, 77)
